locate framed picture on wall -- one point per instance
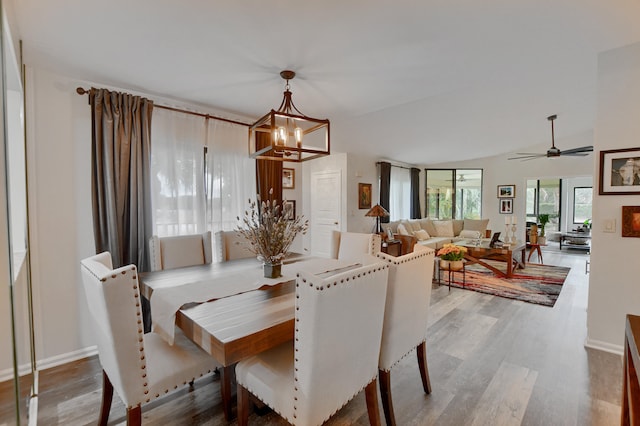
(505, 206)
(288, 178)
(364, 195)
(620, 172)
(289, 209)
(631, 221)
(506, 191)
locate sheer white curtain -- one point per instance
(400, 194)
(195, 190)
(231, 174)
(177, 170)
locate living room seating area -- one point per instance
(436, 233)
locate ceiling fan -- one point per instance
(553, 151)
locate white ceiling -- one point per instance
(415, 81)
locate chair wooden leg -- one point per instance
(243, 406)
(385, 394)
(227, 376)
(134, 416)
(107, 397)
(371, 393)
(424, 368)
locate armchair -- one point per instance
(230, 246)
(179, 251)
(140, 367)
(346, 245)
(334, 354)
(405, 318)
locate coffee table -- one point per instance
(479, 252)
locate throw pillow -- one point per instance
(402, 230)
(467, 233)
(444, 228)
(421, 235)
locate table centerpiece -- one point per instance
(271, 228)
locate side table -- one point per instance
(392, 247)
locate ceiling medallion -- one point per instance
(287, 134)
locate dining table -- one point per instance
(230, 309)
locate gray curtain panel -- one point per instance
(415, 193)
(385, 188)
(121, 178)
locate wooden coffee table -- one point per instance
(479, 253)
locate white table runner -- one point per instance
(165, 302)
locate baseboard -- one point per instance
(604, 346)
(55, 361)
(46, 363)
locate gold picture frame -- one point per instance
(364, 195)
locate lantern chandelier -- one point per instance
(287, 134)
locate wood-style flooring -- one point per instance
(492, 361)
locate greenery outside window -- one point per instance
(582, 201)
(454, 193)
(544, 197)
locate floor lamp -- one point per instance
(377, 211)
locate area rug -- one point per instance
(540, 284)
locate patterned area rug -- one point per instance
(540, 284)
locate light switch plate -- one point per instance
(609, 225)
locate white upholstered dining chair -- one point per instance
(140, 367)
(350, 245)
(230, 246)
(405, 318)
(179, 251)
(334, 355)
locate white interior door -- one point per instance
(326, 208)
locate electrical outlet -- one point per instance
(609, 225)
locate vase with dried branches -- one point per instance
(271, 228)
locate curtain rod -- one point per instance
(395, 165)
(83, 91)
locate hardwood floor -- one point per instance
(492, 361)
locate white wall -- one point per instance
(614, 290)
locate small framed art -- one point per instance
(506, 191)
(288, 178)
(631, 221)
(364, 195)
(289, 209)
(505, 206)
(620, 172)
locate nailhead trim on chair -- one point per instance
(295, 368)
(143, 365)
(404, 356)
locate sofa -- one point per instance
(436, 233)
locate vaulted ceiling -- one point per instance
(415, 81)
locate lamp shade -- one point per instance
(377, 211)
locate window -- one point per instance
(543, 196)
(582, 200)
(202, 175)
(400, 193)
(454, 193)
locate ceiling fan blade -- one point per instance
(583, 150)
(523, 156)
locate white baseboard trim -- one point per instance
(603, 346)
(57, 360)
(54, 361)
